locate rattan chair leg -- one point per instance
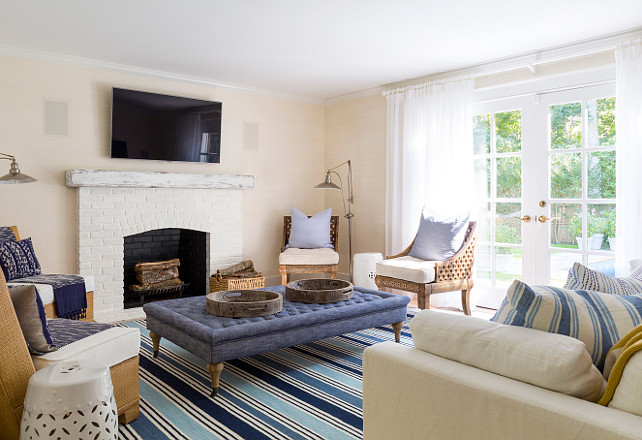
(423, 300)
(284, 275)
(465, 301)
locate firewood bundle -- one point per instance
(244, 269)
(157, 275)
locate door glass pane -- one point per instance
(603, 263)
(508, 229)
(482, 176)
(509, 177)
(566, 175)
(601, 122)
(601, 225)
(508, 132)
(561, 262)
(483, 265)
(566, 225)
(566, 125)
(508, 263)
(601, 175)
(481, 134)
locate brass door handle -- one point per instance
(542, 219)
(525, 219)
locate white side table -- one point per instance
(70, 400)
(364, 269)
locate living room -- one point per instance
(288, 115)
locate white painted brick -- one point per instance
(100, 191)
(113, 285)
(101, 308)
(102, 220)
(102, 234)
(104, 249)
(85, 265)
(89, 212)
(88, 258)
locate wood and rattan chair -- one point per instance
(451, 275)
(309, 260)
(16, 367)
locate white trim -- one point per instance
(71, 60)
(530, 60)
(356, 95)
(140, 179)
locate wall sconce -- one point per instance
(14, 176)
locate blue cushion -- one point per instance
(18, 259)
(6, 234)
(582, 277)
(310, 233)
(439, 239)
(597, 319)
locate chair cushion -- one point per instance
(581, 277)
(555, 362)
(597, 319)
(310, 233)
(439, 239)
(408, 268)
(321, 256)
(46, 290)
(18, 259)
(109, 347)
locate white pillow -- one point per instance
(555, 362)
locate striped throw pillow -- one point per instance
(597, 319)
(581, 277)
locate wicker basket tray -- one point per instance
(318, 291)
(243, 303)
(222, 283)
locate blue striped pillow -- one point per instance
(597, 319)
(18, 259)
(582, 277)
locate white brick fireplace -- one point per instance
(116, 204)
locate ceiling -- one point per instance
(311, 48)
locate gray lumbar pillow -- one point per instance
(439, 239)
(32, 318)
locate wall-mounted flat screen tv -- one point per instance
(161, 127)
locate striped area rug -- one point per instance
(306, 392)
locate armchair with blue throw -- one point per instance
(63, 295)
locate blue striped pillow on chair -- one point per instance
(581, 277)
(597, 319)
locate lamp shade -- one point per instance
(327, 184)
(15, 176)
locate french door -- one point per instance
(545, 171)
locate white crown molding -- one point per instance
(355, 95)
(70, 60)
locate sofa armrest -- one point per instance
(411, 394)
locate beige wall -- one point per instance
(290, 159)
(356, 130)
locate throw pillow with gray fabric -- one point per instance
(310, 233)
(439, 239)
(581, 277)
(32, 318)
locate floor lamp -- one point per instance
(347, 210)
(14, 176)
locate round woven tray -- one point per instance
(243, 303)
(318, 291)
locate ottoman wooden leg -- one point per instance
(215, 372)
(156, 342)
(397, 326)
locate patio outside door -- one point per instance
(545, 169)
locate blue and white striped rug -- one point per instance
(310, 391)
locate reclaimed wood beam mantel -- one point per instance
(140, 179)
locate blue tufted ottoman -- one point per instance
(185, 322)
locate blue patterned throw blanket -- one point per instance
(64, 332)
(70, 295)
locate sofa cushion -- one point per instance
(597, 319)
(310, 233)
(18, 259)
(32, 318)
(582, 277)
(320, 256)
(438, 239)
(624, 388)
(547, 360)
(109, 347)
(407, 268)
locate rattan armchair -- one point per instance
(453, 274)
(16, 367)
(287, 269)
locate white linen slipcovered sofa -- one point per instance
(410, 393)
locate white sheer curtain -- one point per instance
(429, 158)
(628, 128)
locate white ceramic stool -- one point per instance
(70, 400)
(364, 269)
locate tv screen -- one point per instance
(161, 127)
